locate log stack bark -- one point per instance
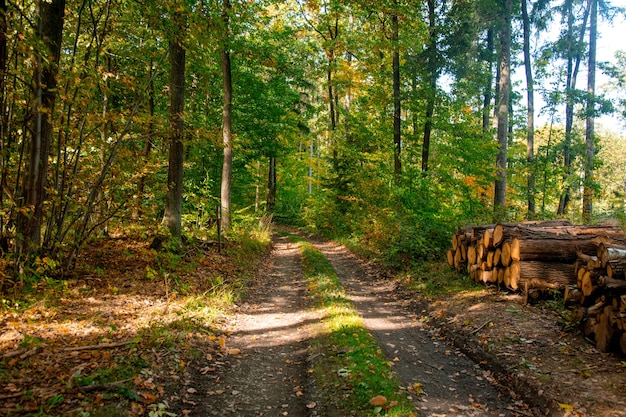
(588, 263)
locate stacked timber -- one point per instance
(587, 262)
(515, 255)
(600, 293)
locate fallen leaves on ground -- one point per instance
(113, 335)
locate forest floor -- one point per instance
(126, 339)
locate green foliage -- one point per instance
(436, 278)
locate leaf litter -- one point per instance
(114, 336)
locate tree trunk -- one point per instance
(172, 218)
(488, 85)
(397, 129)
(271, 185)
(227, 166)
(432, 73)
(590, 128)
(3, 105)
(50, 32)
(574, 56)
(502, 113)
(530, 112)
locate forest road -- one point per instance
(266, 371)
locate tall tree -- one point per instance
(574, 55)
(50, 34)
(172, 217)
(590, 120)
(432, 71)
(530, 111)
(397, 128)
(488, 88)
(502, 109)
(227, 166)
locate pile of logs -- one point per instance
(587, 263)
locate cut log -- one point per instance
(551, 248)
(546, 275)
(490, 255)
(515, 250)
(506, 279)
(616, 284)
(616, 268)
(572, 295)
(596, 309)
(514, 275)
(471, 255)
(505, 257)
(588, 260)
(589, 327)
(498, 235)
(485, 276)
(609, 252)
(481, 252)
(497, 256)
(450, 257)
(487, 238)
(589, 282)
(622, 343)
(604, 331)
(457, 260)
(501, 272)
(474, 271)
(463, 249)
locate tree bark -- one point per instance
(397, 129)
(590, 122)
(574, 56)
(432, 73)
(227, 166)
(172, 218)
(502, 113)
(530, 112)
(271, 185)
(488, 85)
(50, 32)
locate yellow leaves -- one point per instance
(416, 388)
(222, 342)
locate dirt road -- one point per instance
(265, 373)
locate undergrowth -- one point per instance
(109, 337)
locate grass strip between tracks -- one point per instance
(352, 373)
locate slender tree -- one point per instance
(50, 33)
(574, 57)
(432, 71)
(172, 217)
(271, 185)
(502, 110)
(590, 120)
(227, 166)
(488, 88)
(530, 111)
(397, 128)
